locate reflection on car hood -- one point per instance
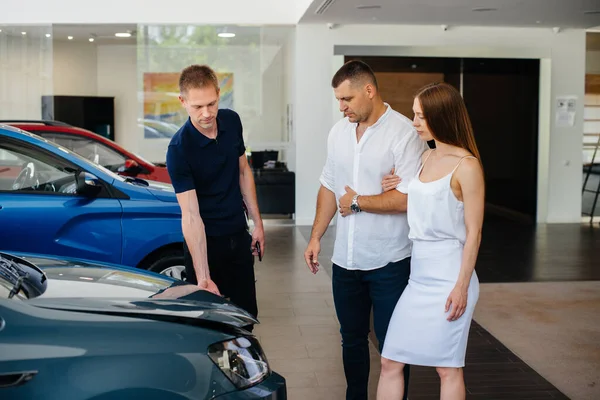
(161, 309)
(162, 191)
(86, 286)
(167, 187)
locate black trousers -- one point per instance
(354, 292)
(231, 266)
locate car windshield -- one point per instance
(84, 160)
(143, 159)
(135, 154)
(99, 166)
(107, 155)
(103, 154)
(111, 173)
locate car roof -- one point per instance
(46, 122)
(61, 127)
(38, 141)
(18, 131)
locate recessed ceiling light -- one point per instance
(483, 9)
(23, 33)
(70, 37)
(123, 34)
(368, 7)
(91, 39)
(48, 35)
(226, 34)
(0, 30)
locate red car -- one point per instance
(95, 148)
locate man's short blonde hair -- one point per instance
(197, 77)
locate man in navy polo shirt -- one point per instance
(210, 173)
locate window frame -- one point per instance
(14, 145)
(46, 134)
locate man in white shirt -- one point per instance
(371, 258)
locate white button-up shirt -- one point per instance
(366, 241)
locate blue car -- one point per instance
(78, 330)
(53, 201)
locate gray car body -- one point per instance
(109, 332)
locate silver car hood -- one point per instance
(86, 286)
(158, 309)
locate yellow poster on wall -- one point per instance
(163, 113)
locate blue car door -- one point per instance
(41, 211)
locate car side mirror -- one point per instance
(131, 168)
(88, 184)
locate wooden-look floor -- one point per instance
(491, 372)
(514, 251)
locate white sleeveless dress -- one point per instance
(419, 332)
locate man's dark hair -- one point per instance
(197, 77)
(355, 71)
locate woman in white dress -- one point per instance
(430, 324)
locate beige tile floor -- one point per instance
(552, 326)
(299, 330)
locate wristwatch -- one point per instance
(354, 207)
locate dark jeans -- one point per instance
(231, 266)
(354, 292)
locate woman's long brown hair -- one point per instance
(447, 117)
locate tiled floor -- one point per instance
(300, 334)
(553, 326)
(492, 372)
(299, 330)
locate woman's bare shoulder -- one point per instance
(470, 169)
(425, 154)
(460, 152)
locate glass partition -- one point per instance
(253, 64)
(25, 70)
(138, 66)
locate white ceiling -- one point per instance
(264, 12)
(102, 33)
(517, 13)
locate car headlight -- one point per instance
(242, 360)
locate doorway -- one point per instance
(502, 97)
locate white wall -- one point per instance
(75, 68)
(153, 11)
(314, 105)
(117, 77)
(25, 73)
(87, 69)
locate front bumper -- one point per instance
(272, 388)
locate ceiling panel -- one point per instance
(518, 13)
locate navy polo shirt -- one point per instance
(211, 167)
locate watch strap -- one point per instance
(355, 207)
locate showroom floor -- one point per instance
(300, 333)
